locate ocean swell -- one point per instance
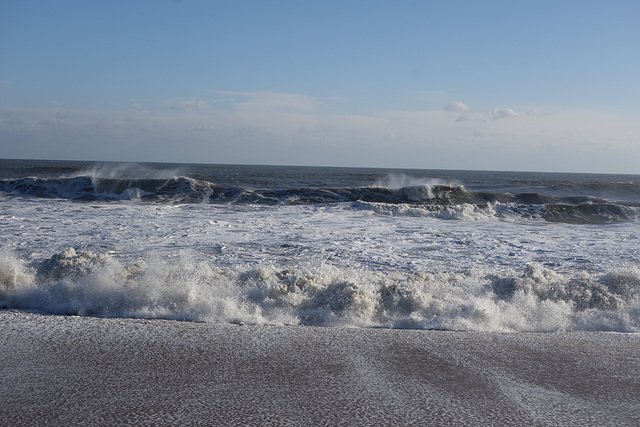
(397, 195)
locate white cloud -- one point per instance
(537, 112)
(138, 107)
(503, 113)
(267, 127)
(204, 127)
(456, 106)
(104, 125)
(186, 104)
(261, 102)
(63, 114)
(465, 118)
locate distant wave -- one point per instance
(396, 195)
(582, 213)
(608, 190)
(536, 299)
(86, 188)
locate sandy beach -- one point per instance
(60, 370)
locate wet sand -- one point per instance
(59, 370)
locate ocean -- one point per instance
(281, 295)
(280, 245)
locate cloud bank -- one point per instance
(287, 128)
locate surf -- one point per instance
(536, 299)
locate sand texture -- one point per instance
(59, 370)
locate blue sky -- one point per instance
(509, 85)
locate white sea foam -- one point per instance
(537, 299)
(381, 265)
(412, 188)
(13, 274)
(465, 211)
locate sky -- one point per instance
(484, 85)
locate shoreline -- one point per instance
(81, 370)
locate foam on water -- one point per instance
(398, 181)
(163, 245)
(415, 189)
(465, 211)
(536, 299)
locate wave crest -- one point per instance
(396, 195)
(537, 299)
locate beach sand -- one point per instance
(59, 370)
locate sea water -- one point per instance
(276, 245)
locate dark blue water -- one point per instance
(572, 198)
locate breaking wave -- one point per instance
(536, 299)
